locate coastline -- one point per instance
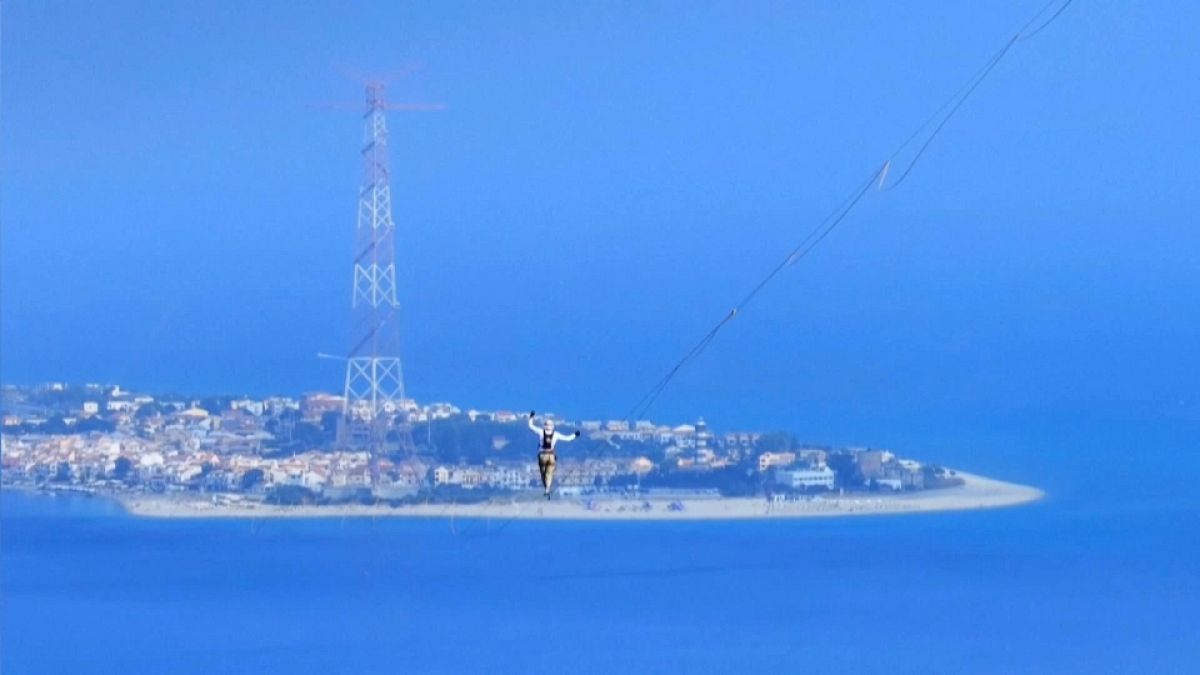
(976, 492)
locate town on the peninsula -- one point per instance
(285, 451)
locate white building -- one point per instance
(442, 411)
(798, 479)
(151, 459)
(251, 406)
(512, 478)
(775, 459)
(894, 484)
(277, 404)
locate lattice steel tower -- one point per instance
(374, 416)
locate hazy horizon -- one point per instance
(605, 182)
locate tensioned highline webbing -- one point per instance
(938, 120)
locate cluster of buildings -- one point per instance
(885, 470)
(121, 462)
(808, 469)
(106, 437)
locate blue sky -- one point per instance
(606, 181)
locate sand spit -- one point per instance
(976, 492)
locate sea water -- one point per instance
(1101, 576)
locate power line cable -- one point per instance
(940, 117)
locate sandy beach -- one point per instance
(976, 492)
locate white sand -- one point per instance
(976, 492)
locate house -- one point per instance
(814, 456)
(151, 459)
(315, 478)
(441, 476)
(511, 477)
(775, 459)
(187, 472)
(407, 475)
(192, 414)
(894, 484)
(251, 406)
(276, 405)
(684, 435)
(870, 462)
(641, 465)
(316, 404)
(443, 411)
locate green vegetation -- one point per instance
(251, 479)
(122, 468)
(291, 495)
(848, 474)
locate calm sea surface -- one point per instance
(1100, 577)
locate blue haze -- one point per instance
(608, 179)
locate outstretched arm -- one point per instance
(532, 426)
(565, 437)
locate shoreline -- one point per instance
(976, 492)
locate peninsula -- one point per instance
(237, 456)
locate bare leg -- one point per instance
(546, 467)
